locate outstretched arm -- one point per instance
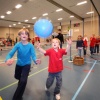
(69, 42)
(9, 61)
(40, 49)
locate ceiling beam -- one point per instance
(65, 9)
(16, 21)
(95, 7)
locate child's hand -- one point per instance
(69, 41)
(9, 62)
(38, 61)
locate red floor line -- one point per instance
(68, 67)
(88, 70)
(3, 64)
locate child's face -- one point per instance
(79, 38)
(55, 43)
(24, 36)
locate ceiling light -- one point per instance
(59, 10)
(10, 26)
(19, 22)
(71, 16)
(14, 24)
(18, 6)
(45, 14)
(90, 12)
(24, 27)
(34, 17)
(26, 20)
(81, 3)
(28, 25)
(2, 16)
(60, 18)
(8, 12)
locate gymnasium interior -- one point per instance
(73, 18)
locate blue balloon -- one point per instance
(43, 28)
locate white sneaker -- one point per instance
(58, 96)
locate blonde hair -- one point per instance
(23, 30)
(56, 39)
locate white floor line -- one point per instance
(79, 89)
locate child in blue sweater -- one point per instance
(25, 51)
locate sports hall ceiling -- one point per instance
(36, 8)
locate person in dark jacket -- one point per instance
(60, 37)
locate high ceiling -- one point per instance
(36, 8)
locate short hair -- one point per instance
(56, 39)
(59, 29)
(79, 37)
(25, 30)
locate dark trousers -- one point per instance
(84, 50)
(21, 73)
(91, 50)
(50, 80)
(61, 45)
(96, 50)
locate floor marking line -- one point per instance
(37, 72)
(17, 81)
(8, 86)
(79, 89)
(28, 76)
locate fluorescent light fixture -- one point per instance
(10, 26)
(45, 14)
(26, 20)
(18, 6)
(19, 22)
(71, 16)
(2, 16)
(60, 18)
(59, 10)
(8, 12)
(14, 24)
(28, 25)
(24, 27)
(34, 17)
(90, 12)
(81, 3)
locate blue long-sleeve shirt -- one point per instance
(24, 53)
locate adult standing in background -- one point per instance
(16, 39)
(60, 37)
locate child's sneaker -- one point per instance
(47, 92)
(57, 96)
(46, 88)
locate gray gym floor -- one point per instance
(79, 82)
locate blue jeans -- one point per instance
(50, 80)
(80, 52)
